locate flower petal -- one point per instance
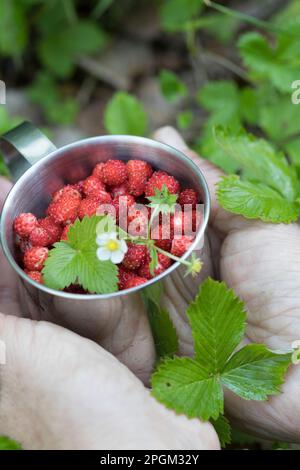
(117, 256)
(103, 254)
(102, 239)
(124, 246)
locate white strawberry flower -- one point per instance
(111, 248)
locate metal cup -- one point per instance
(39, 169)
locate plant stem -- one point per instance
(173, 257)
(244, 17)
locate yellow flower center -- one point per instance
(112, 245)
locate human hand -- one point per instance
(261, 262)
(61, 391)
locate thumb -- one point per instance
(221, 220)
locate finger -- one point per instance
(221, 220)
(8, 280)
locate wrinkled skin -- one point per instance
(261, 262)
(59, 390)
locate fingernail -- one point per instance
(169, 135)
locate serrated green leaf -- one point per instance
(99, 277)
(255, 201)
(217, 318)
(279, 64)
(259, 161)
(208, 148)
(183, 385)
(9, 444)
(75, 260)
(223, 429)
(171, 86)
(222, 99)
(61, 266)
(59, 49)
(124, 114)
(255, 372)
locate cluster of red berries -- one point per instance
(135, 181)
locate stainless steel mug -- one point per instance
(39, 169)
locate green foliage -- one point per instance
(57, 108)
(163, 330)
(171, 86)
(59, 50)
(194, 386)
(175, 13)
(124, 114)
(75, 260)
(8, 444)
(184, 119)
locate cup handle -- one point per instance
(22, 147)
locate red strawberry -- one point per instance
(135, 256)
(162, 235)
(134, 282)
(123, 203)
(121, 190)
(137, 220)
(88, 207)
(188, 196)
(68, 190)
(124, 276)
(181, 245)
(164, 262)
(97, 171)
(39, 237)
(79, 186)
(138, 174)
(158, 180)
(65, 209)
(24, 224)
(53, 229)
(92, 186)
(114, 172)
(35, 257)
(35, 276)
(185, 223)
(64, 235)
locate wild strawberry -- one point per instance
(68, 190)
(64, 235)
(92, 186)
(39, 237)
(181, 245)
(188, 196)
(134, 282)
(79, 186)
(97, 171)
(121, 205)
(24, 224)
(65, 209)
(162, 235)
(138, 217)
(88, 207)
(35, 276)
(164, 262)
(53, 229)
(120, 190)
(160, 179)
(135, 256)
(138, 174)
(185, 223)
(35, 257)
(124, 276)
(114, 172)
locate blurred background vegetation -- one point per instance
(78, 68)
